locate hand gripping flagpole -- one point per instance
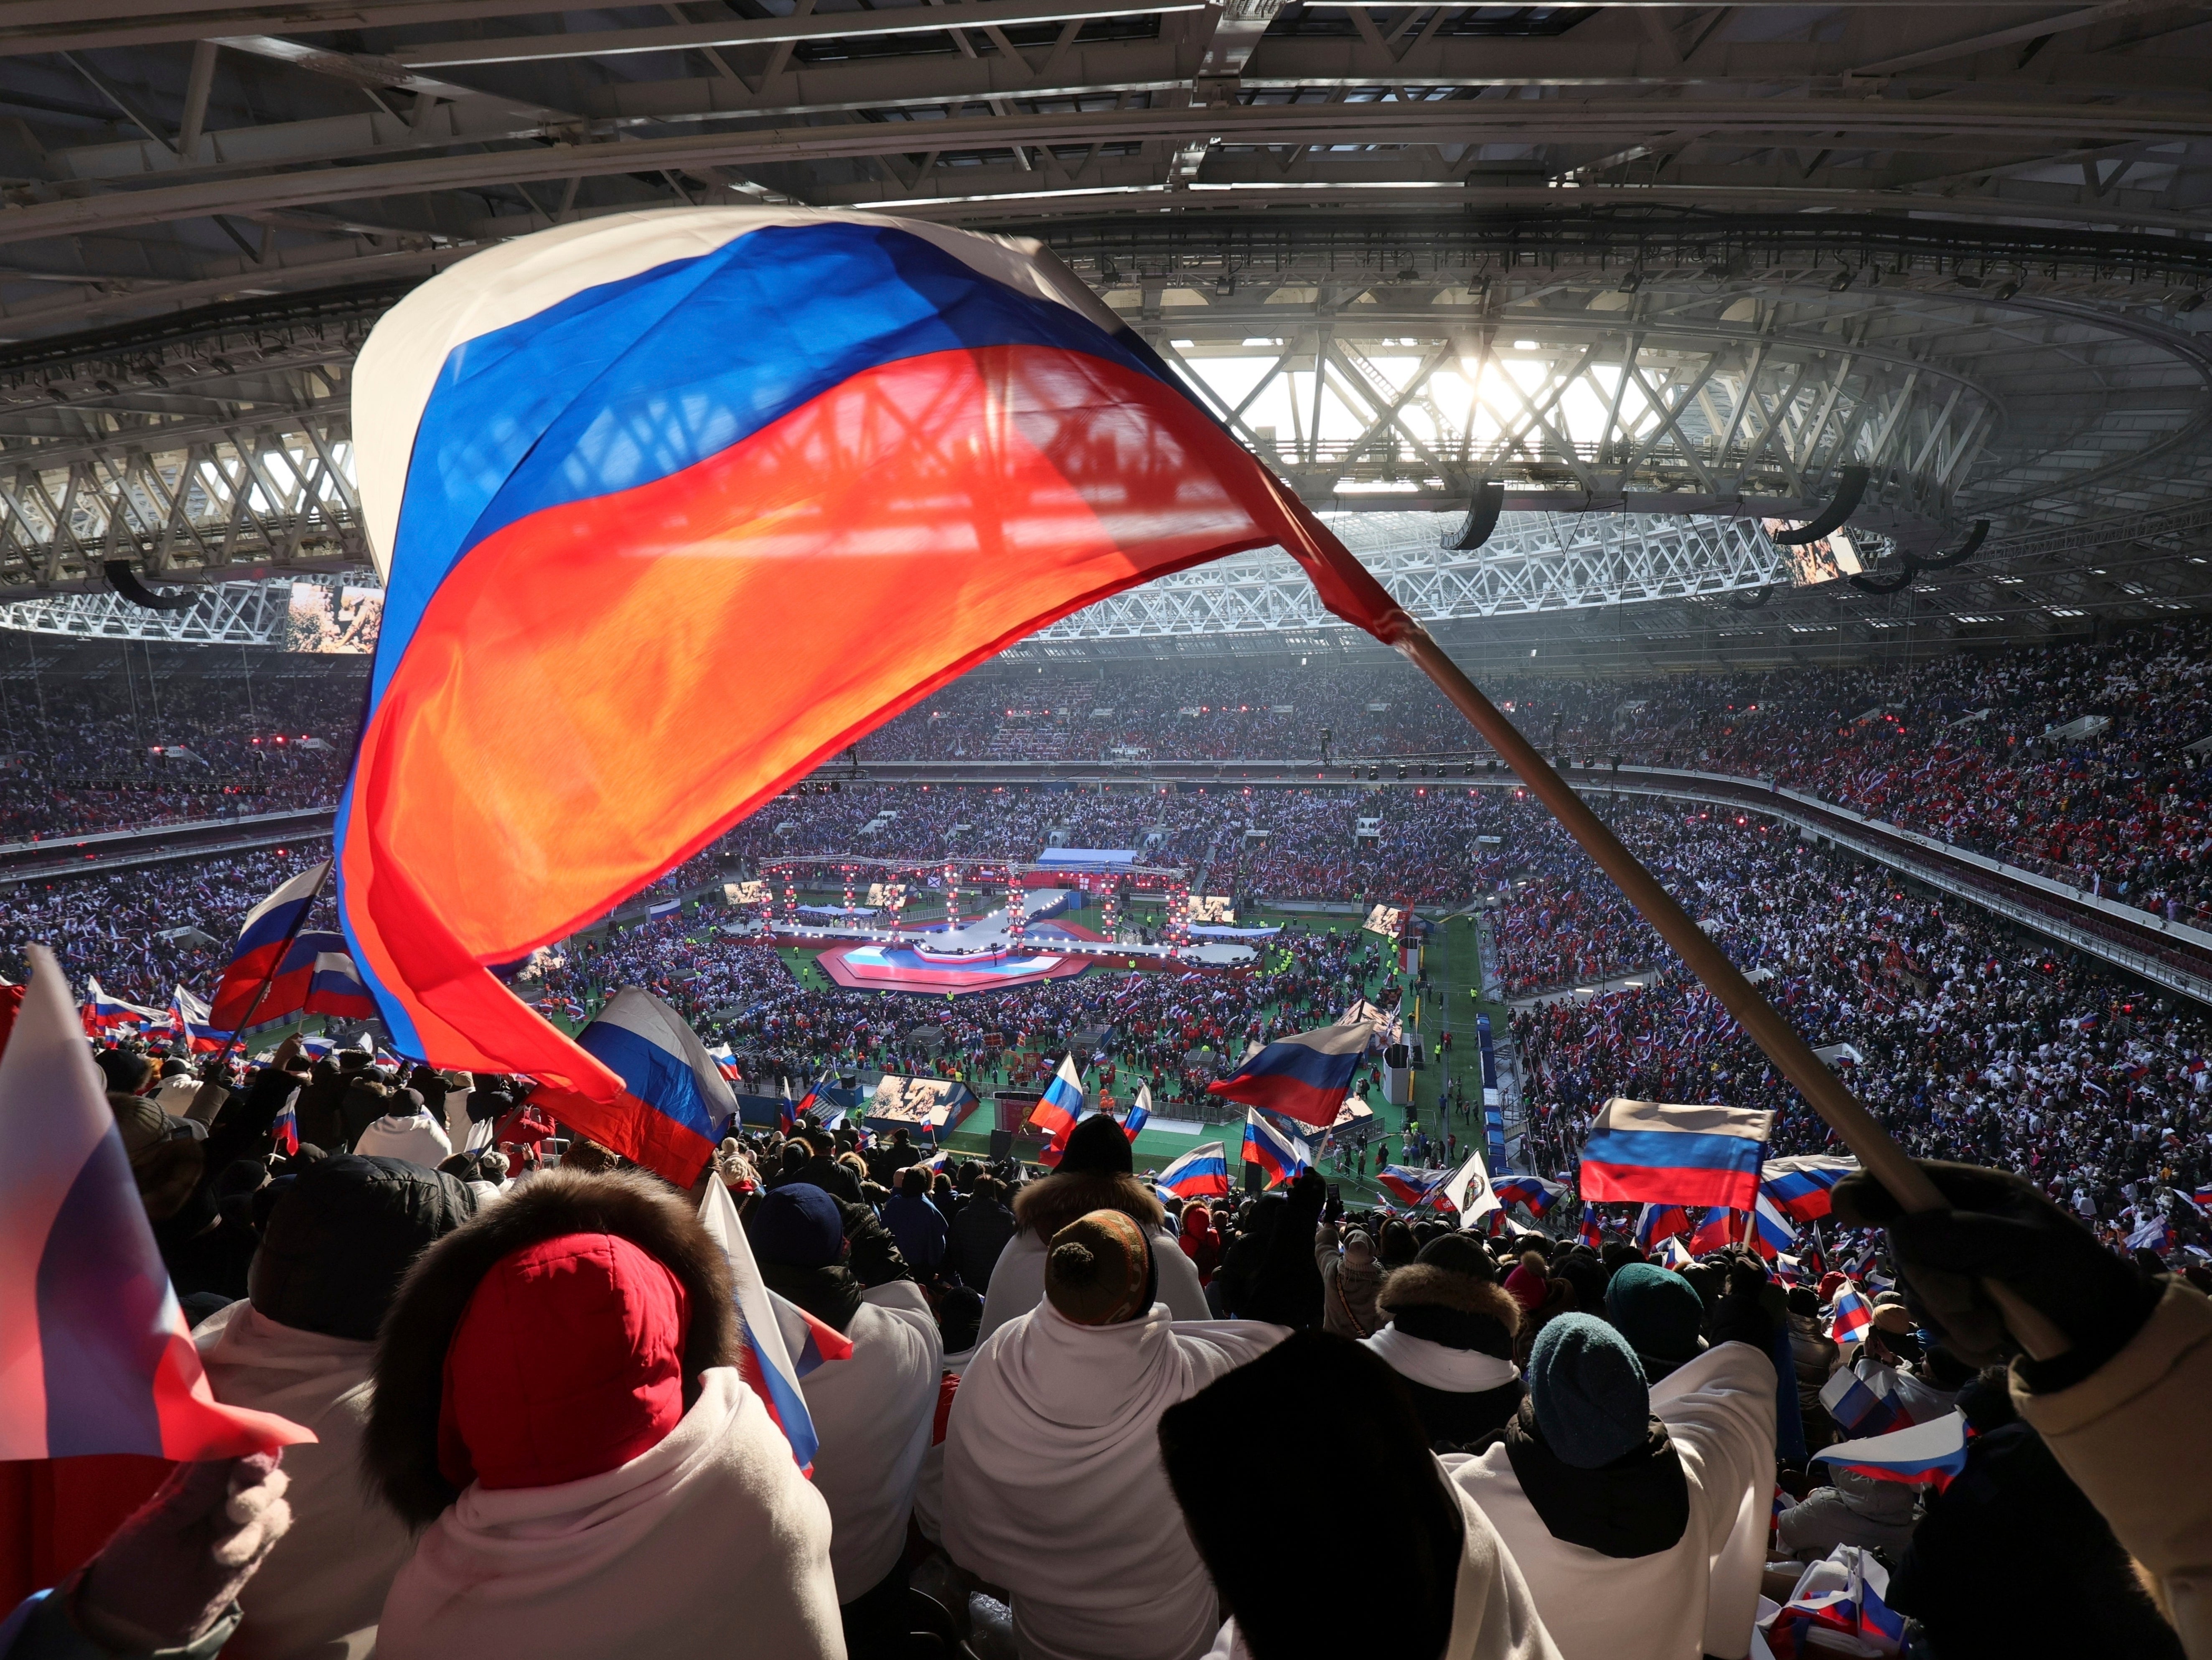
(1347, 589)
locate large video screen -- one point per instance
(339, 621)
(1832, 557)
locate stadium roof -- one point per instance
(1656, 271)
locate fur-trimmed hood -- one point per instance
(1045, 1208)
(399, 1451)
(1418, 1285)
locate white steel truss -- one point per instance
(223, 614)
(1536, 562)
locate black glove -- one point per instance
(1750, 1306)
(1307, 1196)
(2000, 1227)
(1334, 1211)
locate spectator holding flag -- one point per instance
(871, 1410)
(1350, 1277)
(1095, 1172)
(1617, 1505)
(632, 1496)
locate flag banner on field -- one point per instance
(1140, 1115)
(1415, 1189)
(103, 1014)
(1851, 1317)
(1864, 1405)
(590, 461)
(768, 1364)
(1801, 1188)
(1534, 1191)
(1058, 1107)
(1470, 1194)
(675, 1102)
(1304, 1076)
(1925, 1455)
(193, 1023)
(1842, 1595)
(1201, 1173)
(1673, 1154)
(1283, 1157)
(262, 951)
(95, 1355)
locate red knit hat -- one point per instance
(567, 1362)
(1527, 1287)
(1829, 1284)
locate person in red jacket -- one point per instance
(1200, 1241)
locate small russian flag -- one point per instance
(1851, 1316)
(1534, 1191)
(1657, 1222)
(1772, 1232)
(1140, 1115)
(1803, 1189)
(1201, 1173)
(1716, 1230)
(1861, 1407)
(1674, 1254)
(1925, 1455)
(1058, 1109)
(1671, 1154)
(773, 1362)
(1591, 1233)
(1282, 1158)
(104, 1013)
(1414, 1189)
(286, 1128)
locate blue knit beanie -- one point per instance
(1657, 1312)
(1588, 1390)
(797, 1225)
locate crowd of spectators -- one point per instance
(1971, 1039)
(117, 752)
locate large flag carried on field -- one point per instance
(95, 1357)
(1674, 1155)
(600, 465)
(1304, 1076)
(263, 956)
(674, 1098)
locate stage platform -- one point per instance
(983, 954)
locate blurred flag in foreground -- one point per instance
(594, 461)
(774, 1358)
(95, 1357)
(1926, 1455)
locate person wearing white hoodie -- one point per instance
(412, 1132)
(1054, 1488)
(336, 1243)
(1620, 1504)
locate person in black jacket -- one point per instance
(1270, 1273)
(2012, 1559)
(1449, 1338)
(981, 1229)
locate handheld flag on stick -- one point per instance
(195, 1026)
(103, 1014)
(1470, 1194)
(1670, 1154)
(1863, 1406)
(1058, 1107)
(1282, 1157)
(1657, 1222)
(261, 957)
(1414, 1189)
(1852, 1315)
(674, 1099)
(1140, 1115)
(1534, 1191)
(1802, 1188)
(1716, 1230)
(95, 1357)
(768, 1366)
(1926, 1455)
(1201, 1173)
(590, 459)
(1590, 1233)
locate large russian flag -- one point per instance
(95, 1357)
(1668, 1154)
(602, 465)
(675, 1103)
(1304, 1076)
(262, 954)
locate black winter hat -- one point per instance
(1383, 1471)
(336, 1243)
(1097, 1147)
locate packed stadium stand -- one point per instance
(1527, 974)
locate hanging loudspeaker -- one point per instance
(1830, 517)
